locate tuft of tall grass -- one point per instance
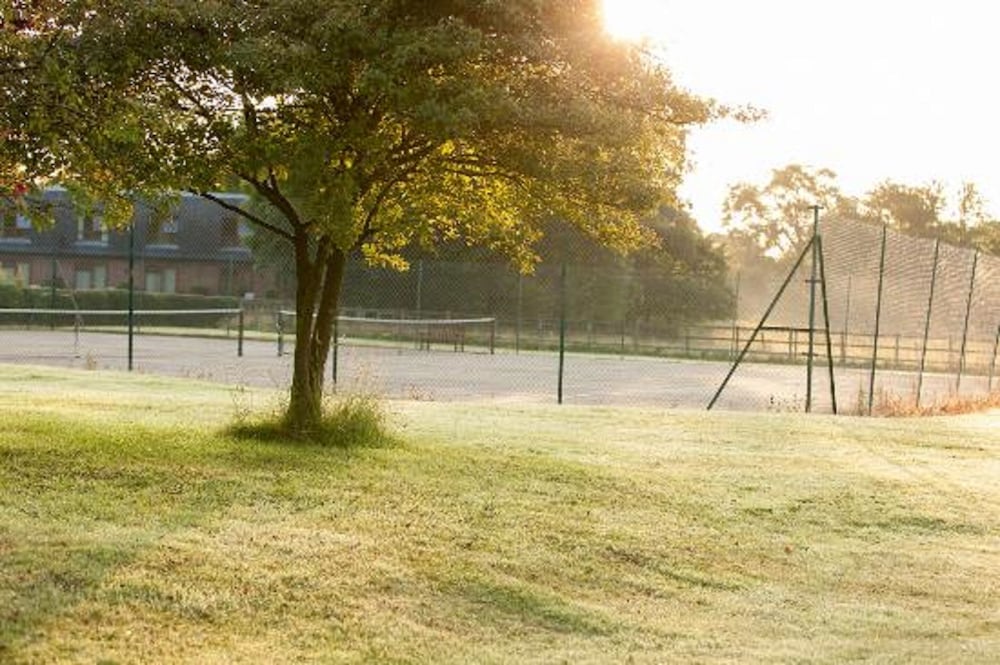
(350, 420)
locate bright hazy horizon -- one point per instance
(873, 90)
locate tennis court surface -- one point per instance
(442, 374)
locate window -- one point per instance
(161, 280)
(15, 228)
(93, 277)
(234, 232)
(91, 229)
(162, 232)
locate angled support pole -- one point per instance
(826, 324)
(965, 328)
(927, 320)
(767, 314)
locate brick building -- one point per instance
(198, 248)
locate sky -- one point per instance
(871, 89)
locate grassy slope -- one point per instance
(131, 530)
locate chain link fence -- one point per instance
(912, 322)
(214, 300)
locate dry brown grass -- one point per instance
(891, 405)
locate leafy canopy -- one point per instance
(367, 125)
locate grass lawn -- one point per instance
(133, 529)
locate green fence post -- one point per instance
(239, 342)
(927, 322)
(279, 324)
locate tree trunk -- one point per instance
(320, 275)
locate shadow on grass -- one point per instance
(503, 604)
(75, 521)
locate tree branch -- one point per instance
(274, 196)
(259, 221)
(200, 107)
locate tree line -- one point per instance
(773, 218)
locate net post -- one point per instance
(562, 331)
(965, 328)
(493, 337)
(239, 335)
(878, 321)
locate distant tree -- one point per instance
(775, 216)
(684, 277)
(366, 126)
(971, 207)
(915, 210)
(985, 237)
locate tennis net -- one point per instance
(475, 335)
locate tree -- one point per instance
(775, 217)
(986, 237)
(684, 278)
(907, 208)
(364, 126)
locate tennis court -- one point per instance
(443, 374)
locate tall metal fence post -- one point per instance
(927, 322)
(562, 330)
(878, 321)
(239, 336)
(279, 324)
(131, 292)
(812, 308)
(965, 327)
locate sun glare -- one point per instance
(633, 19)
